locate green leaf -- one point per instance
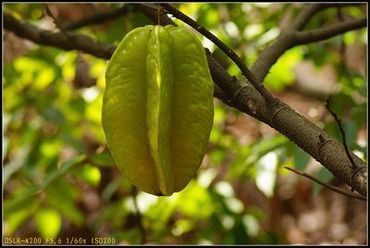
(301, 157)
(282, 74)
(20, 199)
(323, 175)
(65, 168)
(62, 197)
(264, 146)
(104, 159)
(350, 130)
(15, 219)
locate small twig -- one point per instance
(305, 15)
(139, 217)
(312, 9)
(331, 187)
(304, 37)
(342, 46)
(50, 13)
(337, 120)
(355, 167)
(229, 52)
(55, 19)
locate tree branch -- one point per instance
(292, 37)
(304, 37)
(306, 14)
(269, 56)
(297, 128)
(152, 13)
(312, 9)
(63, 40)
(229, 52)
(355, 169)
(223, 88)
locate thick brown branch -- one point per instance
(66, 41)
(326, 150)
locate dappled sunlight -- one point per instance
(266, 173)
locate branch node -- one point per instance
(276, 112)
(240, 99)
(322, 142)
(237, 92)
(356, 171)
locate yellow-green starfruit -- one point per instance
(157, 110)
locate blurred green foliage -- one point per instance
(59, 174)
